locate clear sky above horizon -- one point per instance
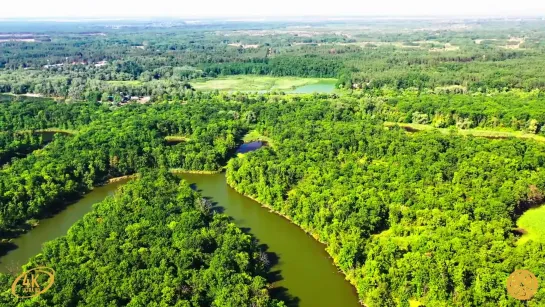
(255, 8)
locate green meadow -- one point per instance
(533, 223)
(256, 83)
(493, 134)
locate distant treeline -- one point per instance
(74, 65)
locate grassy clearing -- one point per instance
(54, 130)
(414, 303)
(117, 179)
(256, 136)
(58, 130)
(131, 83)
(176, 138)
(255, 83)
(9, 97)
(533, 222)
(493, 134)
(292, 83)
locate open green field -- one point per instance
(257, 83)
(473, 132)
(253, 135)
(414, 303)
(54, 130)
(176, 138)
(533, 222)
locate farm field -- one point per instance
(257, 83)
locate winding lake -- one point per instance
(302, 273)
(30, 243)
(305, 269)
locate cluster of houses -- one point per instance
(101, 63)
(126, 99)
(137, 99)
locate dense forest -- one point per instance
(424, 218)
(514, 110)
(14, 145)
(379, 198)
(115, 142)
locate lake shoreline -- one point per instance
(172, 171)
(314, 236)
(182, 171)
(32, 223)
(120, 178)
(307, 277)
(28, 244)
(25, 227)
(119, 181)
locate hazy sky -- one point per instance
(257, 8)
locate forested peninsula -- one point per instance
(156, 243)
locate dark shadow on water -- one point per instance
(281, 293)
(245, 230)
(410, 129)
(215, 206)
(526, 205)
(171, 143)
(10, 267)
(272, 276)
(518, 232)
(6, 248)
(51, 211)
(272, 257)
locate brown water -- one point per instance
(30, 243)
(303, 274)
(307, 275)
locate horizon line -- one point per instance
(273, 17)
